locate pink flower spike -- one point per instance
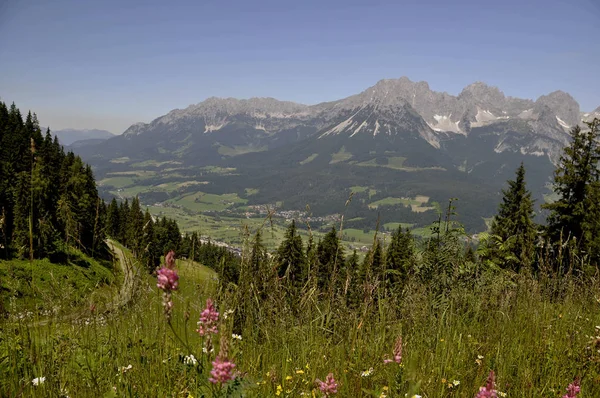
(573, 389)
(489, 390)
(397, 352)
(170, 259)
(167, 279)
(209, 319)
(329, 386)
(222, 371)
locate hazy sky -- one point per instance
(107, 64)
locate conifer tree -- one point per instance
(398, 258)
(513, 227)
(291, 259)
(113, 219)
(330, 255)
(575, 217)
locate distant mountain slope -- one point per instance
(398, 137)
(69, 136)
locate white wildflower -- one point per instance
(190, 360)
(456, 382)
(38, 380)
(236, 336)
(367, 373)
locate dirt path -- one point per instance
(130, 272)
(124, 296)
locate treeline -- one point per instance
(48, 198)
(149, 239)
(49, 202)
(568, 245)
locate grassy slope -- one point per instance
(43, 285)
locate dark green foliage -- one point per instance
(398, 259)
(291, 259)
(47, 198)
(574, 219)
(513, 230)
(330, 256)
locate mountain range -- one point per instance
(427, 142)
(70, 136)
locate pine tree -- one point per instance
(513, 226)
(113, 219)
(330, 256)
(291, 259)
(575, 216)
(398, 259)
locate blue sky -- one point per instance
(107, 64)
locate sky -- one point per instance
(108, 64)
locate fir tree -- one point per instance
(575, 216)
(398, 258)
(291, 259)
(329, 255)
(513, 226)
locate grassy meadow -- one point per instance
(537, 334)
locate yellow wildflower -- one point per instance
(299, 372)
(279, 390)
(288, 377)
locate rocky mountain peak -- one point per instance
(484, 95)
(564, 107)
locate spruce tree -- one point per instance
(398, 259)
(574, 218)
(291, 259)
(513, 226)
(330, 256)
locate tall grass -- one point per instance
(535, 339)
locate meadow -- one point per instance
(536, 333)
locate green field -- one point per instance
(239, 150)
(200, 201)
(340, 156)
(309, 159)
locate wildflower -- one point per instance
(227, 313)
(501, 394)
(456, 383)
(124, 369)
(38, 380)
(190, 360)
(573, 389)
(478, 361)
(397, 352)
(236, 337)
(488, 391)
(167, 281)
(299, 372)
(367, 373)
(208, 319)
(329, 386)
(221, 371)
(288, 378)
(279, 390)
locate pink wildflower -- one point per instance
(170, 259)
(397, 352)
(167, 279)
(488, 391)
(208, 319)
(329, 386)
(573, 389)
(222, 371)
